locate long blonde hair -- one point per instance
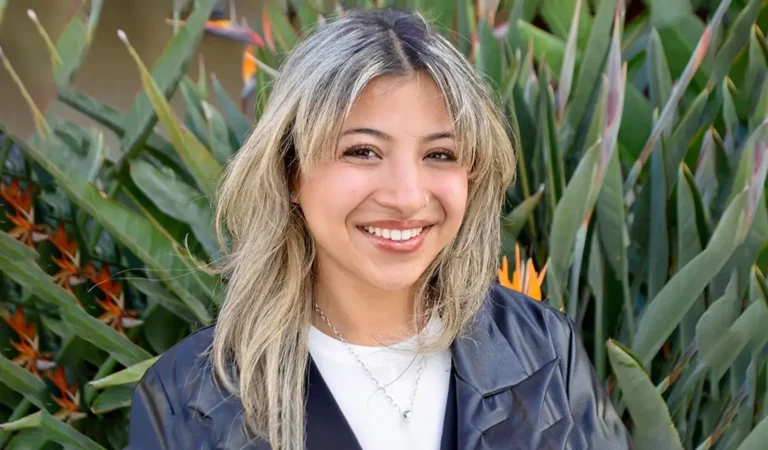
(259, 351)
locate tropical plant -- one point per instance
(639, 197)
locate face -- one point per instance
(394, 195)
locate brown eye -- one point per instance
(442, 155)
(361, 152)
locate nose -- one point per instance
(402, 187)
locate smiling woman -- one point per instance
(361, 224)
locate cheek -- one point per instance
(331, 194)
(452, 190)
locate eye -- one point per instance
(363, 151)
(442, 155)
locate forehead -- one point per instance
(410, 105)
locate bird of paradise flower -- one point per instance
(525, 278)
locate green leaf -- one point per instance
(27, 273)
(162, 329)
(666, 11)
(283, 32)
(653, 428)
(523, 9)
(204, 168)
(569, 62)
(730, 117)
(668, 113)
(178, 200)
(237, 121)
(676, 297)
(166, 75)
(549, 145)
(54, 429)
(596, 279)
(135, 232)
(112, 399)
(558, 14)
(736, 39)
(29, 439)
(756, 66)
(718, 318)
(683, 134)
(660, 79)
(658, 254)
(545, 45)
(588, 78)
(488, 59)
(757, 438)
(3, 5)
(760, 111)
(513, 222)
(126, 376)
(571, 211)
(22, 381)
(154, 290)
(689, 243)
(746, 333)
(218, 134)
(613, 233)
(73, 43)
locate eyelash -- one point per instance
(445, 155)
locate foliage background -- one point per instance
(638, 209)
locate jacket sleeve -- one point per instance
(153, 415)
(596, 424)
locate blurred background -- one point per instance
(641, 131)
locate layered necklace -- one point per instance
(405, 413)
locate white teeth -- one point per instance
(394, 235)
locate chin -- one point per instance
(392, 283)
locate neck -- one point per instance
(363, 314)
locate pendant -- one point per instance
(407, 414)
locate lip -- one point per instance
(411, 245)
(397, 224)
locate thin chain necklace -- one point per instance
(407, 413)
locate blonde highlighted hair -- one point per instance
(259, 352)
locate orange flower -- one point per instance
(29, 357)
(67, 246)
(25, 229)
(116, 316)
(21, 201)
(68, 276)
(19, 324)
(249, 64)
(525, 279)
(69, 400)
(103, 280)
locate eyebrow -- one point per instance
(384, 136)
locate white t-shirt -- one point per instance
(377, 424)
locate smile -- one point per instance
(398, 240)
(393, 234)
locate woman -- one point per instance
(363, 218)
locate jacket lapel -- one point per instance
(500, 401)
(327, 428)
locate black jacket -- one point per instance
(520, 380)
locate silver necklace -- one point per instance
(407, 413)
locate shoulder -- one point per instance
(535, 331)
(183, 368)
(512, 310)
